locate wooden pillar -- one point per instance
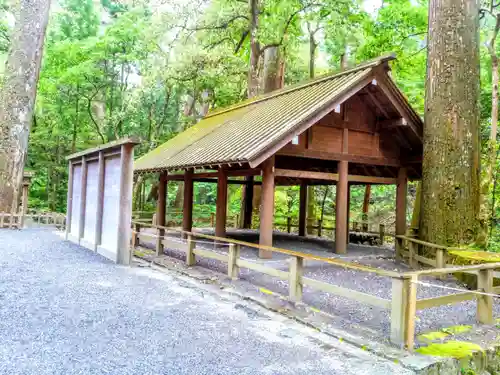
(248, 206)
(341, 209)
(366, 207)
(187, 216)
(401, 191)
(69, 199)
(267, 207)
(221, 207)
(24, 204)
(83, 199)
(161, 209)
(100, 200)
(125, 214)
(303, 208)
(348, 221)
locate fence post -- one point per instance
(320, 225)
(232, 267)
(412, 262)
(381, 231)
(212, 219)
(411, 310)
(159, 241)
(1, 219)
(295, 278)
(288, 224)
(399, 304)
(191, 244)
(485, 303)
(364, 225)
(236, 221)
(135, 238)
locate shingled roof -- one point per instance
(244, 132)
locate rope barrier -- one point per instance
(455, 289)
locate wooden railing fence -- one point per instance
(9, 220)
(403, 304)
(285, 223)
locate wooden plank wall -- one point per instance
(363, 137)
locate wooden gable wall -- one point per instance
(353, 131)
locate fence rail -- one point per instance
(364, 228)
(403, 304)
(18, 221)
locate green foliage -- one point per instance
(116, 68)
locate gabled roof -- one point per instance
(244, 132)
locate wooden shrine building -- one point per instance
(350, 128)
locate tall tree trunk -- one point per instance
(18, 94)
(253, 71)
(450, 183)
(271, 77)
(492, 145)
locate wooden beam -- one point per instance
(221, 204)
(372, 180)
(267, 208)
(322, 155)
(392, 123)
(187, 219)
(306, 174)
(377, 103)
(341, 209)
(302, 208)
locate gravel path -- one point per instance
(375, 322)
(65, 310)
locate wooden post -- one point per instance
(366, 207)
(2, 219)
(159, 241)
(248, 202)
(485, 303)
(399, 303)
(83, 198)
(295, 278)
(348, 214)
(320, 224)
(267, 207)
(440, 261)
(411, 310)
(236, 220)
(161, 212)
(401, 191)
(341, 209)
(303, 209)
(187, 218)
(412, 262)
(100, 200)
(221, 208)
(69, 200)
(288, 224)
(381, 231)
(191, 244)
(212, 219)
(234, 254)
(135, 235)
(24, 204)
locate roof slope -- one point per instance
(239, 134)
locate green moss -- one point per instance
(453, 349)
(483, 256)
(433, 336)
(456, 330)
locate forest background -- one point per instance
(153, 68)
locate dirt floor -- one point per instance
(372, 321)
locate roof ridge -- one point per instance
(300, 85)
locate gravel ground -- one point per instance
(66, 310)
(375, 322)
